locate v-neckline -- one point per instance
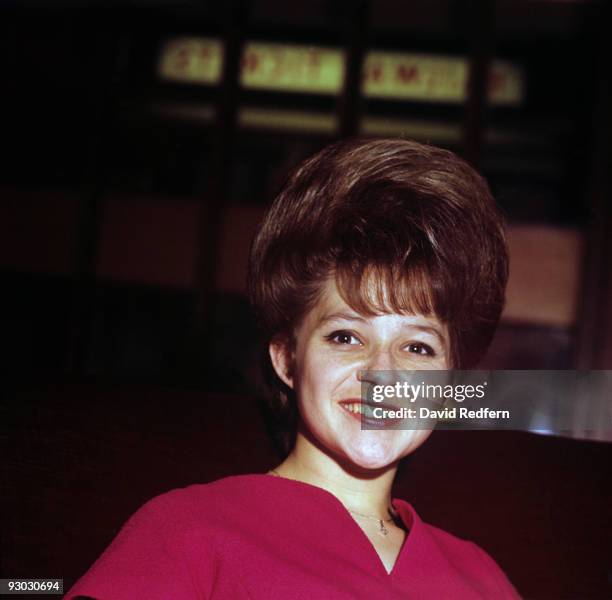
(402, 508)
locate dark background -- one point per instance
(127, 206)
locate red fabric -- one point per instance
(264, 537)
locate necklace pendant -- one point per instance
(383, 530)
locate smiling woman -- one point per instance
(396, 228)
(365, 262)
(333, 344)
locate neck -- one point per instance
(367, 491)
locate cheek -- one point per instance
(320, 375)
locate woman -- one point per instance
(376, 255)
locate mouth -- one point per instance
(364, 413)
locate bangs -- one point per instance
(383, 288)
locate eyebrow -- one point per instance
(341, 317)
(354, 317)
(428, 329)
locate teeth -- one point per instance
(367, 411)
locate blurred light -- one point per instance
(191, 60)
(289, 68)
(321, 70)
(435, 78)
(251, 117)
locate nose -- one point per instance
(379, 369)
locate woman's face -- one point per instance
(333, 345)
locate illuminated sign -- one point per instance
(434, 78)
(191, 60)
(320, 70)
(280, 67)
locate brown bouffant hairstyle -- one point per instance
(403, 227)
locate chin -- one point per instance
(370, 463)
(370, 458)
(380, 456)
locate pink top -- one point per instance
(264, 537)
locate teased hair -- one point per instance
(403, 227)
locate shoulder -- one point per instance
(475, 562)
(193, 496)
(451, 544)
(194, 502)
(206, 509)
(167, 548)
(463, 556)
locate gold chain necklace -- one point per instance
(381, 522)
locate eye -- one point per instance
(344, 338)
(421, 349)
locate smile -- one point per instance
(363, 413)
(354, 407)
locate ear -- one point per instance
(281, 356)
